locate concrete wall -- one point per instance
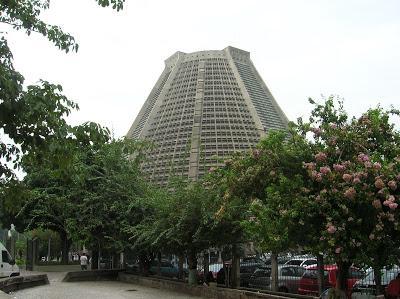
(22, 282)
(92, 275)
(203, 291)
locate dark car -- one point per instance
(288, 278)
(247, 267)
(166, 269)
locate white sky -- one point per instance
(300, 48)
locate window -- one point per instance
(5, 256)
(288, 271)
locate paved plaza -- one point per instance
(94, 290)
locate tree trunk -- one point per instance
(274, 272)
(206, 265)
(378, 280)
(65, 245)
(235, 267)
(192, 259)
(181, 258)
(320, 269)
(144, 264)
(159, 263)
(94, 259)
(342, 276)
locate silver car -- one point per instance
(288, 278)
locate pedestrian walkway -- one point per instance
(94, 290)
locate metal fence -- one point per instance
(296, 274)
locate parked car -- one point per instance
(166, 269)
(8, 267)
(365, 288)
(288, 278)
(309, 282)
(304, 262)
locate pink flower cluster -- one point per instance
(320, 157)
(377, 204)
(309, 166)
(362, 158)
(316, 176)
(317, 131)
(347, 177)
(377, 166)
(350, 193)
(379, 183)
(325, 170)
(339, 167)
(256, 153)
(392, 185)
(390, 202)
(331, 228)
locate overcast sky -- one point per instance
(300, 48)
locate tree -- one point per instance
(29, 117)
(354, 193)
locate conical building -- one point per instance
(204, 107)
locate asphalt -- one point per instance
(93, 290)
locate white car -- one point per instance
(8, 267)
(304, 262)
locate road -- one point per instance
(94, 290)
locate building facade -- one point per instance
(204, 107)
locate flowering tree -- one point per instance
(354, 177)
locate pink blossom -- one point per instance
(347, 177)
(325, 169)
(377, 204)
(387, 203)
(368, 164)
(391, 198)
(356, 180)
(392, 185)
(318, 198)
(212, 169)
(398, 177)
(338, 250)
(393, 206)
(323, 191)
(333, 141)
(316, 131)
(320, 157)
(379, 183)
(377, 165)
(309, 166)
(363, 158)
(256, 153)
(318, 178)
(331, 228)
(350, 193)
(339, 167)
(333, 126)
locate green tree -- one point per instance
(30, 116)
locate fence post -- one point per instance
(206, 265)
(235, 266)
(274, 272)
(320, 273)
